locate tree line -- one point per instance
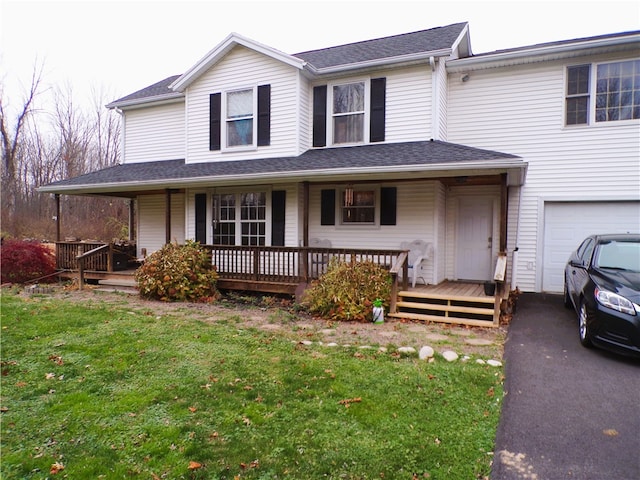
(46, 137)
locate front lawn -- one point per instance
(99, 391)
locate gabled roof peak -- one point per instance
(213, 56)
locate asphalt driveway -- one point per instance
(569, 412)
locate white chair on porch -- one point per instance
(319, 261)
(419, 253)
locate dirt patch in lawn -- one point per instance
(279, 316)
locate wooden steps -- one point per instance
(115, 284)
(474, 310)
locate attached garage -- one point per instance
(566, 224)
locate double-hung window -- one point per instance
(240, 118)
(348, 112)
(605, 92)
(358, 207)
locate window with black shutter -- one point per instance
(320, 116)
(278, 211)
(378, 105)
(214, 121)
(328, 207)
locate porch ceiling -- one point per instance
(429, 159)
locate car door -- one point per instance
(577, 275)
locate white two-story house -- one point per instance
(514, 154)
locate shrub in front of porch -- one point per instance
(24, 261)
(347, 291)
(178, 273)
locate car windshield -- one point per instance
(619, 255)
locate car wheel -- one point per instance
(583, 326)
(567, 298)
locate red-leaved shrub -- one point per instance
(25, 261)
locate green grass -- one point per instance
(113, 393)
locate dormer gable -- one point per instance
(219, 52)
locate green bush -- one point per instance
(347, 291)
(178, 273)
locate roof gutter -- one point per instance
(147, 101)
(411, 58)
(540, 53)
(516, 168)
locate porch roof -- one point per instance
(368, 162)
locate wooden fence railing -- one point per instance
(288, 264)
(247, 267)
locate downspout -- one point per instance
(57, 217)
(514, 264)
(122, 133)
(434, 99)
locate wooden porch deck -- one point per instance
(288, 271)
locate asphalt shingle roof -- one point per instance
(388, 47)
(157, 89)
(391, 155)
(430, 40)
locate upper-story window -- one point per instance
(240, 118)
(240, 111)
(616, 95)
(349, 112)
(578, 94)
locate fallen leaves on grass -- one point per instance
(348, 401)
(57, 359)
(194, 465)
(55, 468)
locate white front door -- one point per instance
(474, 242)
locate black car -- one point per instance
(602, 284)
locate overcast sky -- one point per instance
(122, 46)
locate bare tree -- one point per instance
(11, 138)
(63, 142)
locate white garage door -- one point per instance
(566, 224)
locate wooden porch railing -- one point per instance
(260, 268)
(291, 266)
(94, 256)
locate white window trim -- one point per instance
(367, 110)
(593, 78)
(225, 121)
(375, 225)
(238, 222)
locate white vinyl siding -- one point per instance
(439, 109)
(151, 221)
(242, 68)
(521, 111)
(303, 131)
(416, 210)
(408, 104)
(154, 133)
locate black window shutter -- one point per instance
(214, 121)
(377, 118)
(278, 209)
(388, 205)
(328, 207)
(320, 116)
(201, 218)
(264, 115)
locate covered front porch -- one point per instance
(288, 270)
